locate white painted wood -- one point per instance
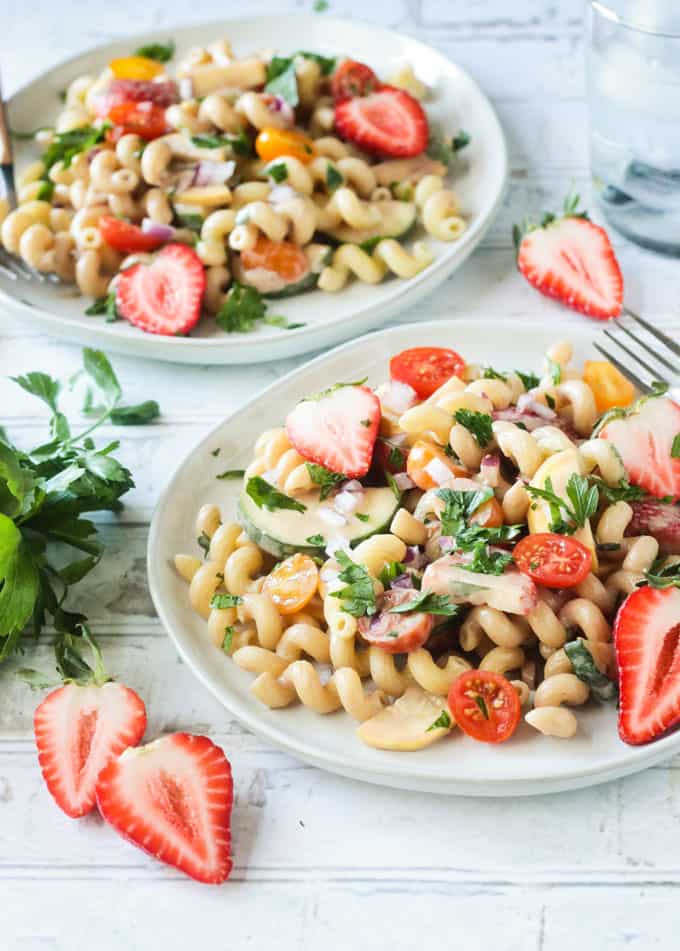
(320, 860)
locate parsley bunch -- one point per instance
(358, 595)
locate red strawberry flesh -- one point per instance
(165, 296)
(78, 731)
(389, 122)
(337, 430)
(173, 799)
(651, 517)
(647, 640)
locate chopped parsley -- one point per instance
(555, 371)
(216, 452)
(660, 576)
(225, 601)
(444, 150)
(529, 380)
(278, 172)
(366, 423)
(391, 570)
(282, 79)
(322, 394)
(362, 516)
(479, 424)
(481, 703)
(231, 473)
(458, 506)
(487, 562)
(277, 320)
(157, 51)
(317, 540)
(573, 512)
(228, 639)
(429, 603)
(104, 305)
(204, 542)
(324, 478)
(265, 496)
(333, 177)
(320, 6)
(358, 595)
(549, 400)
(623, 492)
(491, 374)
(675, 447)
(443, 722)
(586, 670)
(239, 144)
(243, 307)
(396, 457)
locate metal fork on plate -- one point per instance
(642, 353)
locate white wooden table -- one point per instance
(322, 861)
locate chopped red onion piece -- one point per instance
(186, 87)
(438, 471)
(527, 403)
(513, 415)
(354, 486)
(347, 502)
(213, 173)
(403, 581)
(334, 545)
(157, 230)
(446, 543)
(398, 397)
(415, 558)
(332, 517)
(403, 481)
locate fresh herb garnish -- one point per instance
(623, 492)
(487, 562)
(530, 380)
(265, 496)
(231, 474)
(675, 447)
(216, 452)
(660, 576)
(362, 516)
(549, 400)
(333, 177)
(203, 542)
(391, 570)
(358, 595)
(481, 703)
(282, 79)
(429, 603)
(491, 374)
(277, 320)
(188, 220)
(278, 171)
(443, 722)
(243, 307)
(586, 670)
(458, 506)
(324, 478)
(238, 144)
(104, 305)
(66, 145)
(228, 639)
(225, 601)
(161, 53)
(479, 424)
(554, 370)
(320, 6)
(317, 540)
(444, 150)
(566, 517)
(136, 415)
(322, 394)
(396, 457)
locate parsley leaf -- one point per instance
(317, 540)
(391, 570)
(231, 474)
(278, 171)
(135, 415)
(443, 722)
(458, 506)
(429, 603)
(320, 6)
(265, 496)
(487, 562)
(241, 310)
(675, 447)
(322, 394)
(566, 518)
(326, 64)
(273, 320)
(104, 305)
(225, 601)
(479, 424)
(282, 79)
(324, 478)
(530, 380)
(157, 51)
(66, 145)
(358, 595)
(555, 371)
(585, 669)
(444, 150)
(228, 638)
(667, 576)
(362, 516)
(491, 374)
(623, 492)
(203, 542)
(333, 177)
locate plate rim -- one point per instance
(310, 337)
(385, 773)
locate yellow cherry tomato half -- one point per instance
(135, 67)
(421, 454)
(293, 583)
(610, 387)
(273, 143)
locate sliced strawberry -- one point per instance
(651, 517)
(163, 297)
(337, 428)
(572, 259)
(78, 731)
(388, 122)
(647, 641)
(643, 437)
(173, 799)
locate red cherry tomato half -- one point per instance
(352, 79)
(397, 633)
(484, 705)
(145, 119)
(426, 368)
(125, 237)
(556, 561)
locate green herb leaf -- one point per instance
(358, 595)
(66, 145)
(584, 498)
(324, 478)
(225, 601)
(203, 541)
(362, 516)
(318, 541)
(481, 703)
(282, 80)
(555, 371)
(333, 177)
(241, 310)
(137, 415)
(228, 639)
(429, 603)
(104, 305)
(530, 380)
(161, 53)
(443, 722)
(459, 506)
(675, 447)
(566, 518)
(266, 496)
(391, 570)
(320, 6)
(322, 394)
(278, 172)
(491, 374)
(444, 150)
(231, 474)
(187, 220)
(279, 321)
(662, 576)
(326, 64)
(586, 670)
(623, 492)
(479, 424)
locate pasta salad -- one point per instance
(169, 193)
(459, 547)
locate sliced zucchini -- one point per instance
(396, 220)
(284, 531)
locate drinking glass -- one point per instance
(634, 90)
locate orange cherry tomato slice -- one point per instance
(488, 515)
(293, 583)
(426, 368)
(556, 561)
(485, 705)
(135, 67)
(352, 79)
(610, 387)
(421, 454)
(144, 119)
(272, 143)
(397, 633)
(286, 259)
(126, 237)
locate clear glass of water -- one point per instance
(634, 89)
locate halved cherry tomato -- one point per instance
(135, 67)
(397, 633)
(293, 583)
(388, 456)
(352, 79)
(556, 561)
(286, 259)
(426, 368)
(484, 705)
(144, 119)
(421, 454)
(488, 515)
(273, 143)
(126, 237)
(610, 387)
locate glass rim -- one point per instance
(638, 27)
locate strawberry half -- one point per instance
(387, 122)
(172, 798)
(78, 731)
(337, 428)
(651, 517)
(643, 435)
(163, 297)
(571, 259)
(647, 641)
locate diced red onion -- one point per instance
(415, 558)
(403, 581)
(347, 502)
(490, 469)
(398, 397)
(186, 87)
(213, 173)
(157, 230)
(332, 517)
(513, 415)
(438, 471)
(282, 193)
(354, 486)
(528, 403)
(403, 481)
(281, 106)
(446, 543)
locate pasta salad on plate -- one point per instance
(167, 192)
(460, 547)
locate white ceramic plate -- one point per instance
(527, 764)
(456, 102)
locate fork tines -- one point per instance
(641, 352)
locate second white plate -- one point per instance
(529, 763)
(456, 102)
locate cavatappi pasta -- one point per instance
(480, 466)
(237, 157)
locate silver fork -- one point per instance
(642, 353)
(11, 265)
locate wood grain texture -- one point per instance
(321, 860)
